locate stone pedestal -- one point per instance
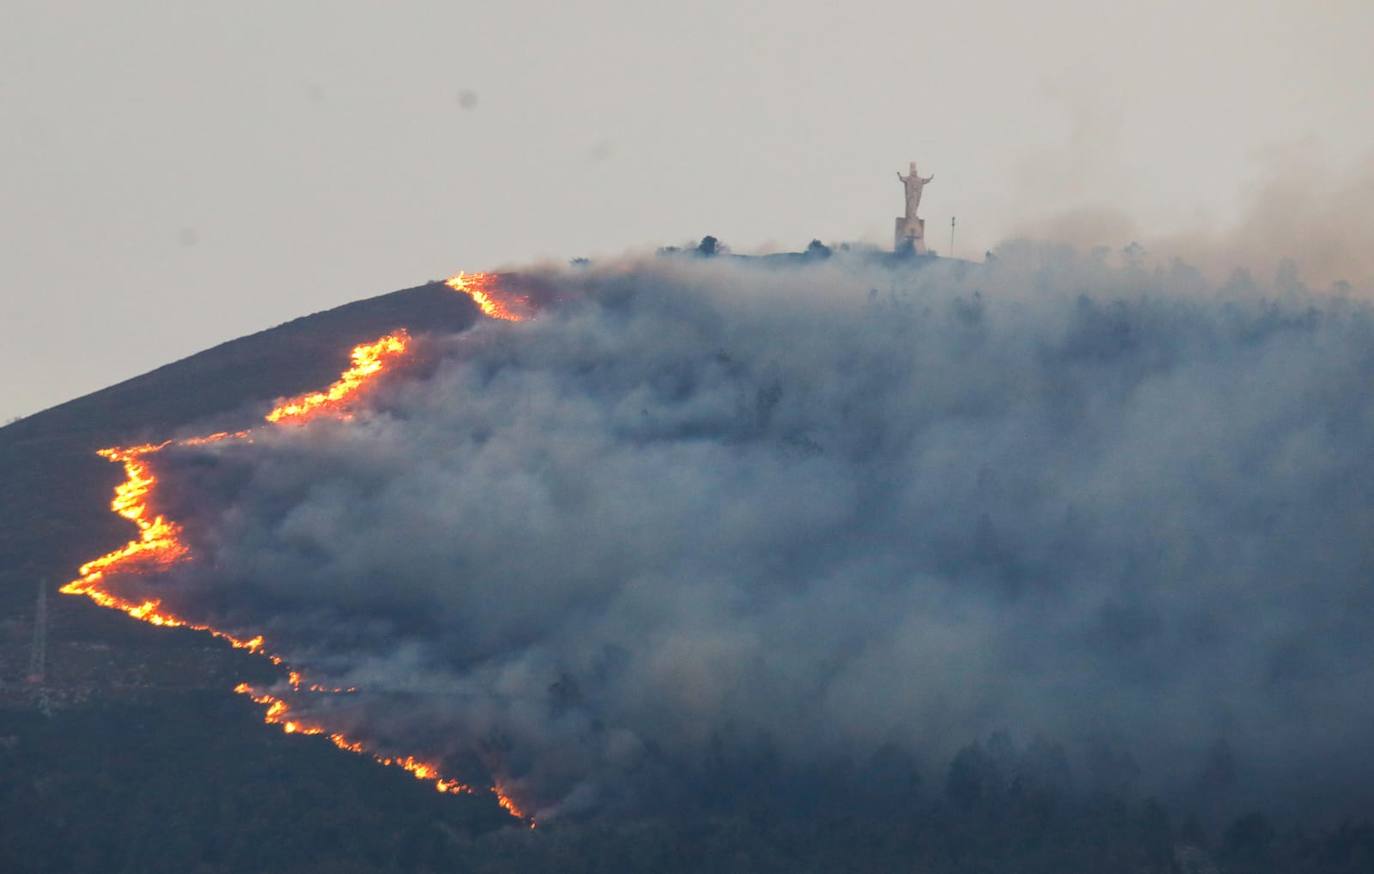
(909, 236)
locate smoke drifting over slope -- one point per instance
(702, 518)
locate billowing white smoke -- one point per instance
(705, 512)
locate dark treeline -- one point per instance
(189, 784)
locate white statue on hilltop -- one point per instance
(914, 185)
(909, 235)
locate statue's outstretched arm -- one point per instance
(900, 176)
(929, 178)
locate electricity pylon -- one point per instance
(38, 656)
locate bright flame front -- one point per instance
(493, 303)
(369, 359)
(160, 544)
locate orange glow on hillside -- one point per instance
(369, 359)
(509, 805)
(278, 712)
(160, 545)
(493, 303)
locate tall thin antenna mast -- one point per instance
(38, 656)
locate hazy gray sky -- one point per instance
(175, 175)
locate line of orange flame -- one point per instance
(279, 713)
(369, 359)
(481, 288)
(159, 546)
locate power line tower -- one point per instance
(38, 656)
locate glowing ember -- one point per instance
(481, 287)
(159, 546)
(369, 359)
(509, 805)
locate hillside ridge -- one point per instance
(54, 489)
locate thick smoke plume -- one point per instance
(707, 528)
